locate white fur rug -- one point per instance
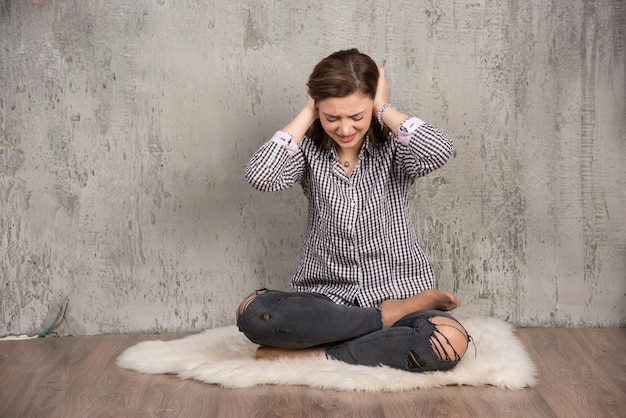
(224, 356)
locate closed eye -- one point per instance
(357, 117)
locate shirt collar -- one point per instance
(367, 145)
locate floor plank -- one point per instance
(573, 380)
(582, 374)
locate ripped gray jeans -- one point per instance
(351, 334)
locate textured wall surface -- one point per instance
(125, 126)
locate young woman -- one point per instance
(364, 288)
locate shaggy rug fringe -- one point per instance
(225, 357)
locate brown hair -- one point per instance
(339, 75)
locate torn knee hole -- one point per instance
(443, 352)
(265, 316)
(244, 305)
(440, 321)
(447, 349)
(449, 339)
(415, 361)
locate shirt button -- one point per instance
(355, 266)
(352, 248)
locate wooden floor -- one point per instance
(582, 374)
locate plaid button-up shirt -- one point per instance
(360, 245)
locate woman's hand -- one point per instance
(310, 108)
(391, 117)
(303, 120)
(382, 91)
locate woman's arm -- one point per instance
(392, 117)
(429, 147)
(279, 163)
(303, 120)
(423, 147)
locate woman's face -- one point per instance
(346, 119)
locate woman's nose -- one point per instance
(345, 128)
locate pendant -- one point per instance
(346, 164)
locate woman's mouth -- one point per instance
(348, 138)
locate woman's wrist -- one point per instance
(381, 110)
(393, 118)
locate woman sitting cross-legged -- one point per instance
(363, 288)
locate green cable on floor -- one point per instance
(56, 323)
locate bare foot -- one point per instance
(273, 353)
(394, 309)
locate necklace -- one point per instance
(346, 163)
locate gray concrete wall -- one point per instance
(125, 126)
